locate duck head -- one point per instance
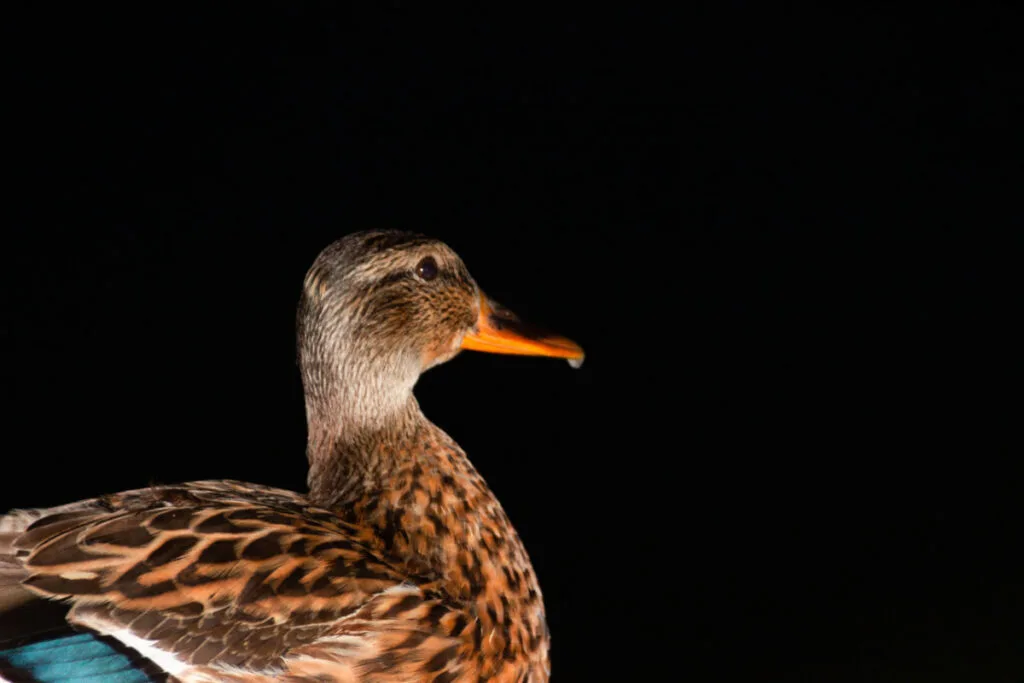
(380, 308)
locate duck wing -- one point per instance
(225, 581)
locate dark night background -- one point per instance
(782, 236)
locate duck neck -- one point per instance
(429, 508)
(423, 506)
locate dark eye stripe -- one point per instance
(390, 279)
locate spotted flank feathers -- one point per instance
(398, 565)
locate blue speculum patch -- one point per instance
(78, 658)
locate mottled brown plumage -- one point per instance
(399, 565)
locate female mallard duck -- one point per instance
(398, 565)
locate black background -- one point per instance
(783, 236)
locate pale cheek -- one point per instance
(440, 353)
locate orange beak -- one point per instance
(499, 330)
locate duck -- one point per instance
(398, 563)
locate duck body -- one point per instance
(398, 565)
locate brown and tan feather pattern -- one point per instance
(399, 565)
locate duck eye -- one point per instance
(427, 268)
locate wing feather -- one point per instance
(230, 579)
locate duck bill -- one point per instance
(499, 330)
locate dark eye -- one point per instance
(427, 268)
